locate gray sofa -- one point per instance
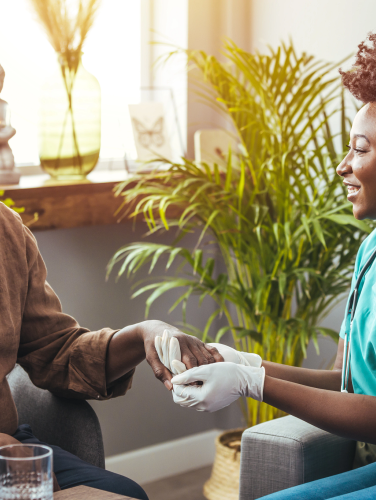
(69, 423)
(286, 452)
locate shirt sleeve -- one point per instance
(57, 353)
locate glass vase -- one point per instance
(70, 122)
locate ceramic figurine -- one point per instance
(8, 174)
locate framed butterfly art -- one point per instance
(149, 131)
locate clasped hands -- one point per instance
(240, 374)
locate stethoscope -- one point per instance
(351, 310)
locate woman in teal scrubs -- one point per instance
(315, 395)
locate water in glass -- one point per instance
(26, 472)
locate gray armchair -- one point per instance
(286, 452)
(69, 423)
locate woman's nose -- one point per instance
(344, 167)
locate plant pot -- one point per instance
(224, 480)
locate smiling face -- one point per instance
(358, 168)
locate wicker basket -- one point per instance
(224, 480)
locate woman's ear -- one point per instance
(2, 76)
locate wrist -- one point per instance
(253, 359)
(141, 330)
(125, 351)
(150, 328)
(144, 329)
(253, 382)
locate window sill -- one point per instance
(67, 204)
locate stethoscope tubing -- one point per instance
(351, 310)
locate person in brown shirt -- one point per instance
(61, 356)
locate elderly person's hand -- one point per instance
(193, 352)
(132, 344)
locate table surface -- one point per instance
(86, 493)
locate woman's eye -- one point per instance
(357, 150)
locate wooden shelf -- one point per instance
(67, 204)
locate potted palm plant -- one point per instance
(278, 213)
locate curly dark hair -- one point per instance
(361, 78)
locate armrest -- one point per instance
(286, 452)
(69, 423)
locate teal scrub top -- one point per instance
(363, 341)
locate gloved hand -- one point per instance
(168, 349)
(240, 358)
(223, 383)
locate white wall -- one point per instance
(328, 29)
(164, 29)
(210, 23)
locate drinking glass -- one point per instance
(26, 472)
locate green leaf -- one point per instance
(349, 219)
(306, 227)
(221, 332)
(315, 343)
(208, 269)
(229, 172)
(318, 231)
(207, 225)
(328, 332)
(209, 323)
(282, 278)
(162, 289)
(241, 183)
(253, 334)
(173, 254)
(197, 260)
(156, 256)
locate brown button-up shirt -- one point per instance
(55, 351)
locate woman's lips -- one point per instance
(352, 191)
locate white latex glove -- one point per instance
(240, 358)
(168, 350)
(223, 383)
(169, 353)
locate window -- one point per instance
(112, 53)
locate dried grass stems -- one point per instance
(67, 24)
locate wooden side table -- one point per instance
(86, 493)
